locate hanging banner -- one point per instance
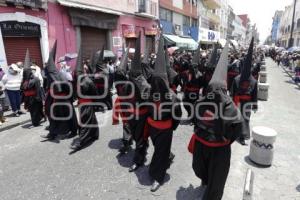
(14, 28)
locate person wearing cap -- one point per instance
(244, 93)
(12, 82)
(33, 96)
(217, 125)
(161, 121)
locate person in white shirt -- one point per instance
(12, 82)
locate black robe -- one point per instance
(88, 124)
(245, 97)
(61, 112)
(101, 82)
(160, 129)
(33, 99)
(210, 144)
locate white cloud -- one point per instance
(260, 12)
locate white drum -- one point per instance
(262, 77)
(263, 91)
(262, 145)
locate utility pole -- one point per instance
(291, 40)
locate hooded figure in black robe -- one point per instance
(233, 70)
(146, 68)
(193, 84)
(217, 125)
(33, 96)
(141, 95)
(210, 68)
(173, 77)
(101, 81)
(244, 93)
(120, 109)
(58, 104)
(88, 124)
(160, 122)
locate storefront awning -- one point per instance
(182, 42)
(83, 5)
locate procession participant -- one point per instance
(147, 70)
(244, 93)
(233, 69)
(193, 84)
(139, 111)
(217, 125)
(101, 80)
(88, 125)
(58, 107)
(160, 122)
(173, 77)
(33, 96)
(120, 108)
(210, 68)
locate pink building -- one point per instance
(34, 26)
(112, 23)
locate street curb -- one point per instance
(14, 125)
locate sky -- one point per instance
(260, 12)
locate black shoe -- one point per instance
(47, 128)
(16, 114)
(134, 167)
(20, 112)
(49, 136)
(155, 186)
(124, 149)
(242, 142)
(76, 144)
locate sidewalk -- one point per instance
(290, 73)
(13, 122)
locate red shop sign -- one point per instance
(151, 31)
(129, 31)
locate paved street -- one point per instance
(33, 170)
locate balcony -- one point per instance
(147, 8)
(212, 4)
(212, 17)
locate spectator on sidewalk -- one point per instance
(12, 82)
(297, 70)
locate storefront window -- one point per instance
(165, 14)
(194, 22)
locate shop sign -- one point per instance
(129, 31)
(14, 28)
(207, 35)
(29, 3)
(151, 31)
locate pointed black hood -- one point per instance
(79, 64)
(213, 59)
(219, 77)
(170, 71)
(160, 67)
(122, 68)
(136, 63)
(100, 60)
(246, 71)
(146, 56)
(51, 71)
(27, 63)
(196, 57)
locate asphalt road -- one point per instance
(35, 170)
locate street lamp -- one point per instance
(291, 40)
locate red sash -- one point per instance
(29, 93)
(195, 138)
(84, 101)
(238, 98)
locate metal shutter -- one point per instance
(92, 39)
(15, 49)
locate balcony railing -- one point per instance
(147, 8)
(212, 4)
(213, 17)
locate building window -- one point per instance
(194, 22)
(186, 21)
(165, 14)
